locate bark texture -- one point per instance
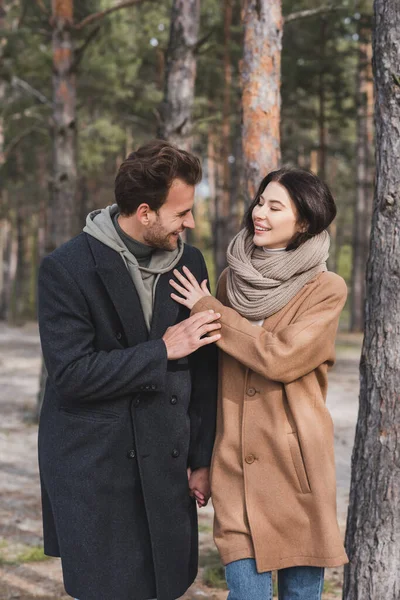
(261, 80)
(180, 75)
(365, 178)
(2, 86)
(373, 528)
(62, 217)
(223, 229)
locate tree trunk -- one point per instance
(16, 313)
(62, 212)
(180, 74)
(62, 217)
(261, 80)
(2, 87)
(365, 177)
(5, 266)
(373, 526)
(322, 154)
(5, 225)
(223, 229)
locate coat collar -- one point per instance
(119, 285)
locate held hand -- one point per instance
(186, 337)
(199, 485)
(189, 288)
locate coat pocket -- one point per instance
(298, 462)
(89, 414)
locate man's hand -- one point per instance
(199, 485)
(186, 337)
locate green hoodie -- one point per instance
(99, 224)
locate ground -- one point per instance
(24, 572)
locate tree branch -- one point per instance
(42, 6)
(79, 52)
(24, 9)
(24, 85)
(18, 138)
(100, 15)
(304, 14)
(203, 41)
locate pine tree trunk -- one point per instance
(5, 225)
(5, 266)
(62, 217)
(223, 233)
(62, 212)
(180, 74)
(373, 526)
(261, 80)
(365, 177)
(322, 153)
(2, 87)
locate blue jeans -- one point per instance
(294, 583)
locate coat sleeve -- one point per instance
(203, 402)
(293, 351)
(67, 333)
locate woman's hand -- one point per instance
(190, 288)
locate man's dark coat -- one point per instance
(120, 424)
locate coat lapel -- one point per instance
(120, 287)
(165, 311)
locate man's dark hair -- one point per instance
(146, 175)
(313, 200)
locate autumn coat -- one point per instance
(273, 470)
(120, 424)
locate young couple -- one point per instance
(129, 334)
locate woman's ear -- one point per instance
(302, 227)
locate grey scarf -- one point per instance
(259, 284)
(99, 224)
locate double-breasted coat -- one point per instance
(273, 471)
(119, 426)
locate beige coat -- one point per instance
(273, 471)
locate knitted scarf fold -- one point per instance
(259, 284)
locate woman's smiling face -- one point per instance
(275, 218)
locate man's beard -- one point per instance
(157, 237)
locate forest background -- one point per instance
(119, 75)
(247, 85)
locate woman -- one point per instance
(273, 472)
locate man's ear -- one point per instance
(142, 214)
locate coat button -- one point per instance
(118, 335)
(251, 392)
(250, 459)
(131, 454)
(174, 400)
(153, 387)
(175, 453)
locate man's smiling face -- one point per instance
(174, 216)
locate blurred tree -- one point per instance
(180, 74)
(373, 525)
(261, 82)
(365, 169)
(62, 217)
(224, 225)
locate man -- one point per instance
(129, 408)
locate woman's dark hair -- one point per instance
(313, 200)
(146, 175)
